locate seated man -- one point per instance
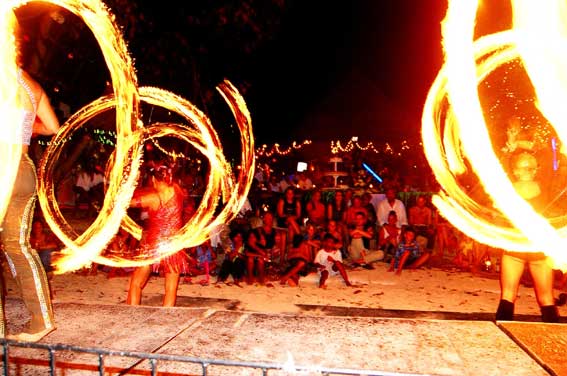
(359, 254)
(421, 219)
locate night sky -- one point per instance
(343, 69)
(330, 70)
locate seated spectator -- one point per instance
(312, 238)
(275, 240)
(274, 185)
(299, 258)
(44, 242)
(316, 209)
(204, 254)
(370, 210)
(256, 257)
(334, 230)
(359, 254)
(421, 219)
(408, 252)
(391, 203)
(89, 188)
(234, 263)
(355, 209)
(304, 182)
(289, 212)
(329, 262)
(389, 236)
(336, 209)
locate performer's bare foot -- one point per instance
(391, 269)
(399, 272)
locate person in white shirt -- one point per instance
(387, 205)
(303, 182)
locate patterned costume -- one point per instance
(24, 261)
(163, 223)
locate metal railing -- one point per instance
(153, 359)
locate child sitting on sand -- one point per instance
(329, 261)
(408, 252)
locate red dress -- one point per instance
(161, 224)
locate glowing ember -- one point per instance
(459, 143)
(85, 248)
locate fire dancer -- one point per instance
(36, 116)
(164, 202)
(513, 263)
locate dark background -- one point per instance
(321, 70)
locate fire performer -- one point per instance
(164, 202)
(513, 263)
(36, 116)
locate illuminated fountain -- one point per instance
(493, 127)
(335, 173)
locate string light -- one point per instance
(264, 151)
(336, 146)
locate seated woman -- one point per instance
(334, 229)
(312, 238)
(289, 212)
(316, 209)
(256, 257)
(299, 258)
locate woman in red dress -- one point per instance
(164, 203)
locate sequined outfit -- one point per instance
(24, 261)
(163, 223)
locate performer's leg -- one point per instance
(542, 275)
(24, 262)
(511, 272)
(138, 280)
(171, 283)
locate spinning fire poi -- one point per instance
(83, 249)
(493, 125)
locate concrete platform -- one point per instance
(547, 343)
(408, 346)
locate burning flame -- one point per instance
(87, 247)
(10, 108)
(454, 128)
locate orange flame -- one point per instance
(82, 249)
(455, 132)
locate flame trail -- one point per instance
(82, 249)
(456, 136)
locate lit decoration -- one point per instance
(336, 146)
(82, 249)
(473, 160)
(264, 151)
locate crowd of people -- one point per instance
(280, 236)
